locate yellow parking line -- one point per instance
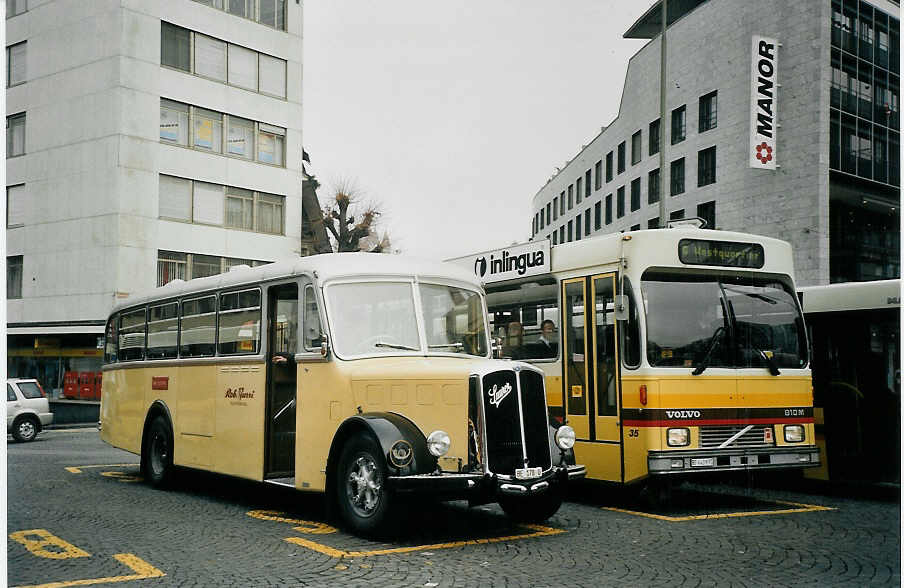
(800, 507)
(539, 531)
(78, 469)
(142, 569)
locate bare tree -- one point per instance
(352, 223)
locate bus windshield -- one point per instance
(722, 321)
(380, 318)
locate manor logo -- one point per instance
(763, 111)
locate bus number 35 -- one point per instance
(633, 432)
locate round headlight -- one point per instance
(565, 437)
(438, 443)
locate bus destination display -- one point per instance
(721, 253)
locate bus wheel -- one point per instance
(157, 453)
(362, 495)
(531, 509)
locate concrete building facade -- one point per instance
(835, 191)
(146, 141)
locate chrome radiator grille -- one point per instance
(711, 437)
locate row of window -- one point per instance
(616, 160)
(863, 90)
(15, 135)
(173, 265)
(220, 61)
(202, 129)
(706, 174)
(864, 149)
(224, 323)
(862, 30)
(580, 227)
(267, 12)
(204, 203)
(16, 58)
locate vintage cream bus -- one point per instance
(670, 352)
(365, 376)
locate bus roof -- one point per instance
(324, 267)
(851, 296)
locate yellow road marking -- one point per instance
(78, 469)
(39, 542)
(799, 507)
(310, 527)
(142, 569)
(539, 531)
(122, 476)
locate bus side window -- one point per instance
(313, 334)
(132, 335)
(240, 322)
(197, 329)
(630, 329)
(111, 342)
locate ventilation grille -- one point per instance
(714, 436)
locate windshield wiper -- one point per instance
(395, 346)
(702, 365)
(767, 357)
(438, 345)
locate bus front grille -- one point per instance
(712, 437)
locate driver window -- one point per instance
(313, 334)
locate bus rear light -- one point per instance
(643, 394)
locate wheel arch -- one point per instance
(157, 408)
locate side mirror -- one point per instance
(325, 347)
(622, 306)
(496, 347)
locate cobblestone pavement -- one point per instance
(104, 523)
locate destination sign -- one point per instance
(721, 253)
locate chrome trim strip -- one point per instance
(188, 361)
(521, 418)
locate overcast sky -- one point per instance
(452, 115)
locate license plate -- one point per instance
(703, 462)
(528, 473)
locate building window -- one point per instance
(15, 206)
(706, 167)
(14, 276)
(241, 8)
(555, 237)
(707, 211)
(173, 122)
(239, 208)
(609, 209)
(175, 46)
(269, 12)
(555, 208)
(587, 189)
(570, 231)
(708, 111)
(653, 223)
(635, 148)
(676, 214)
(598, 175)
(15, 135)
(653, 137)
(175, 198)
(679, 126)
(577, 227)
(570, 198)
(171, 266)
(587, 222)
(621, 157)
(609, 169)
(597, 216)
(677, 176)
(268, 213)
(562, 234)
(653, 187)
(578, 190)
(620, 202)
(562, 202)
(240, 137)
(207, 130)
(15, 7)
(635, 227)
(221, 61)
(15, 63)
(635, 194)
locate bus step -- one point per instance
(289, 482)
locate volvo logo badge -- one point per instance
(497, 394)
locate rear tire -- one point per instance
(157, 453)
(532, 509)
(362, 494)
(25, 429)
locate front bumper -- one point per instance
(46, 418)
(450, 485)
(718, 460)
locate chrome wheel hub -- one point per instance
(27, 429)
(363, 486)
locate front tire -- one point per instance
(25, 429)
(362, 494)
(532, 509)
(157, 453)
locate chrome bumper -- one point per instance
(718, 460)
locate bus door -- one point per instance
(282, 337)
(590, 371)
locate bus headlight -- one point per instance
(438, 443)
(565, 437)
(794, 433)
(679, 437)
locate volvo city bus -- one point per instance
(670, 351)
(855, 330)
(365, 376)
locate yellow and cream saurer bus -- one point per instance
(668, 351)
(365, 376)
